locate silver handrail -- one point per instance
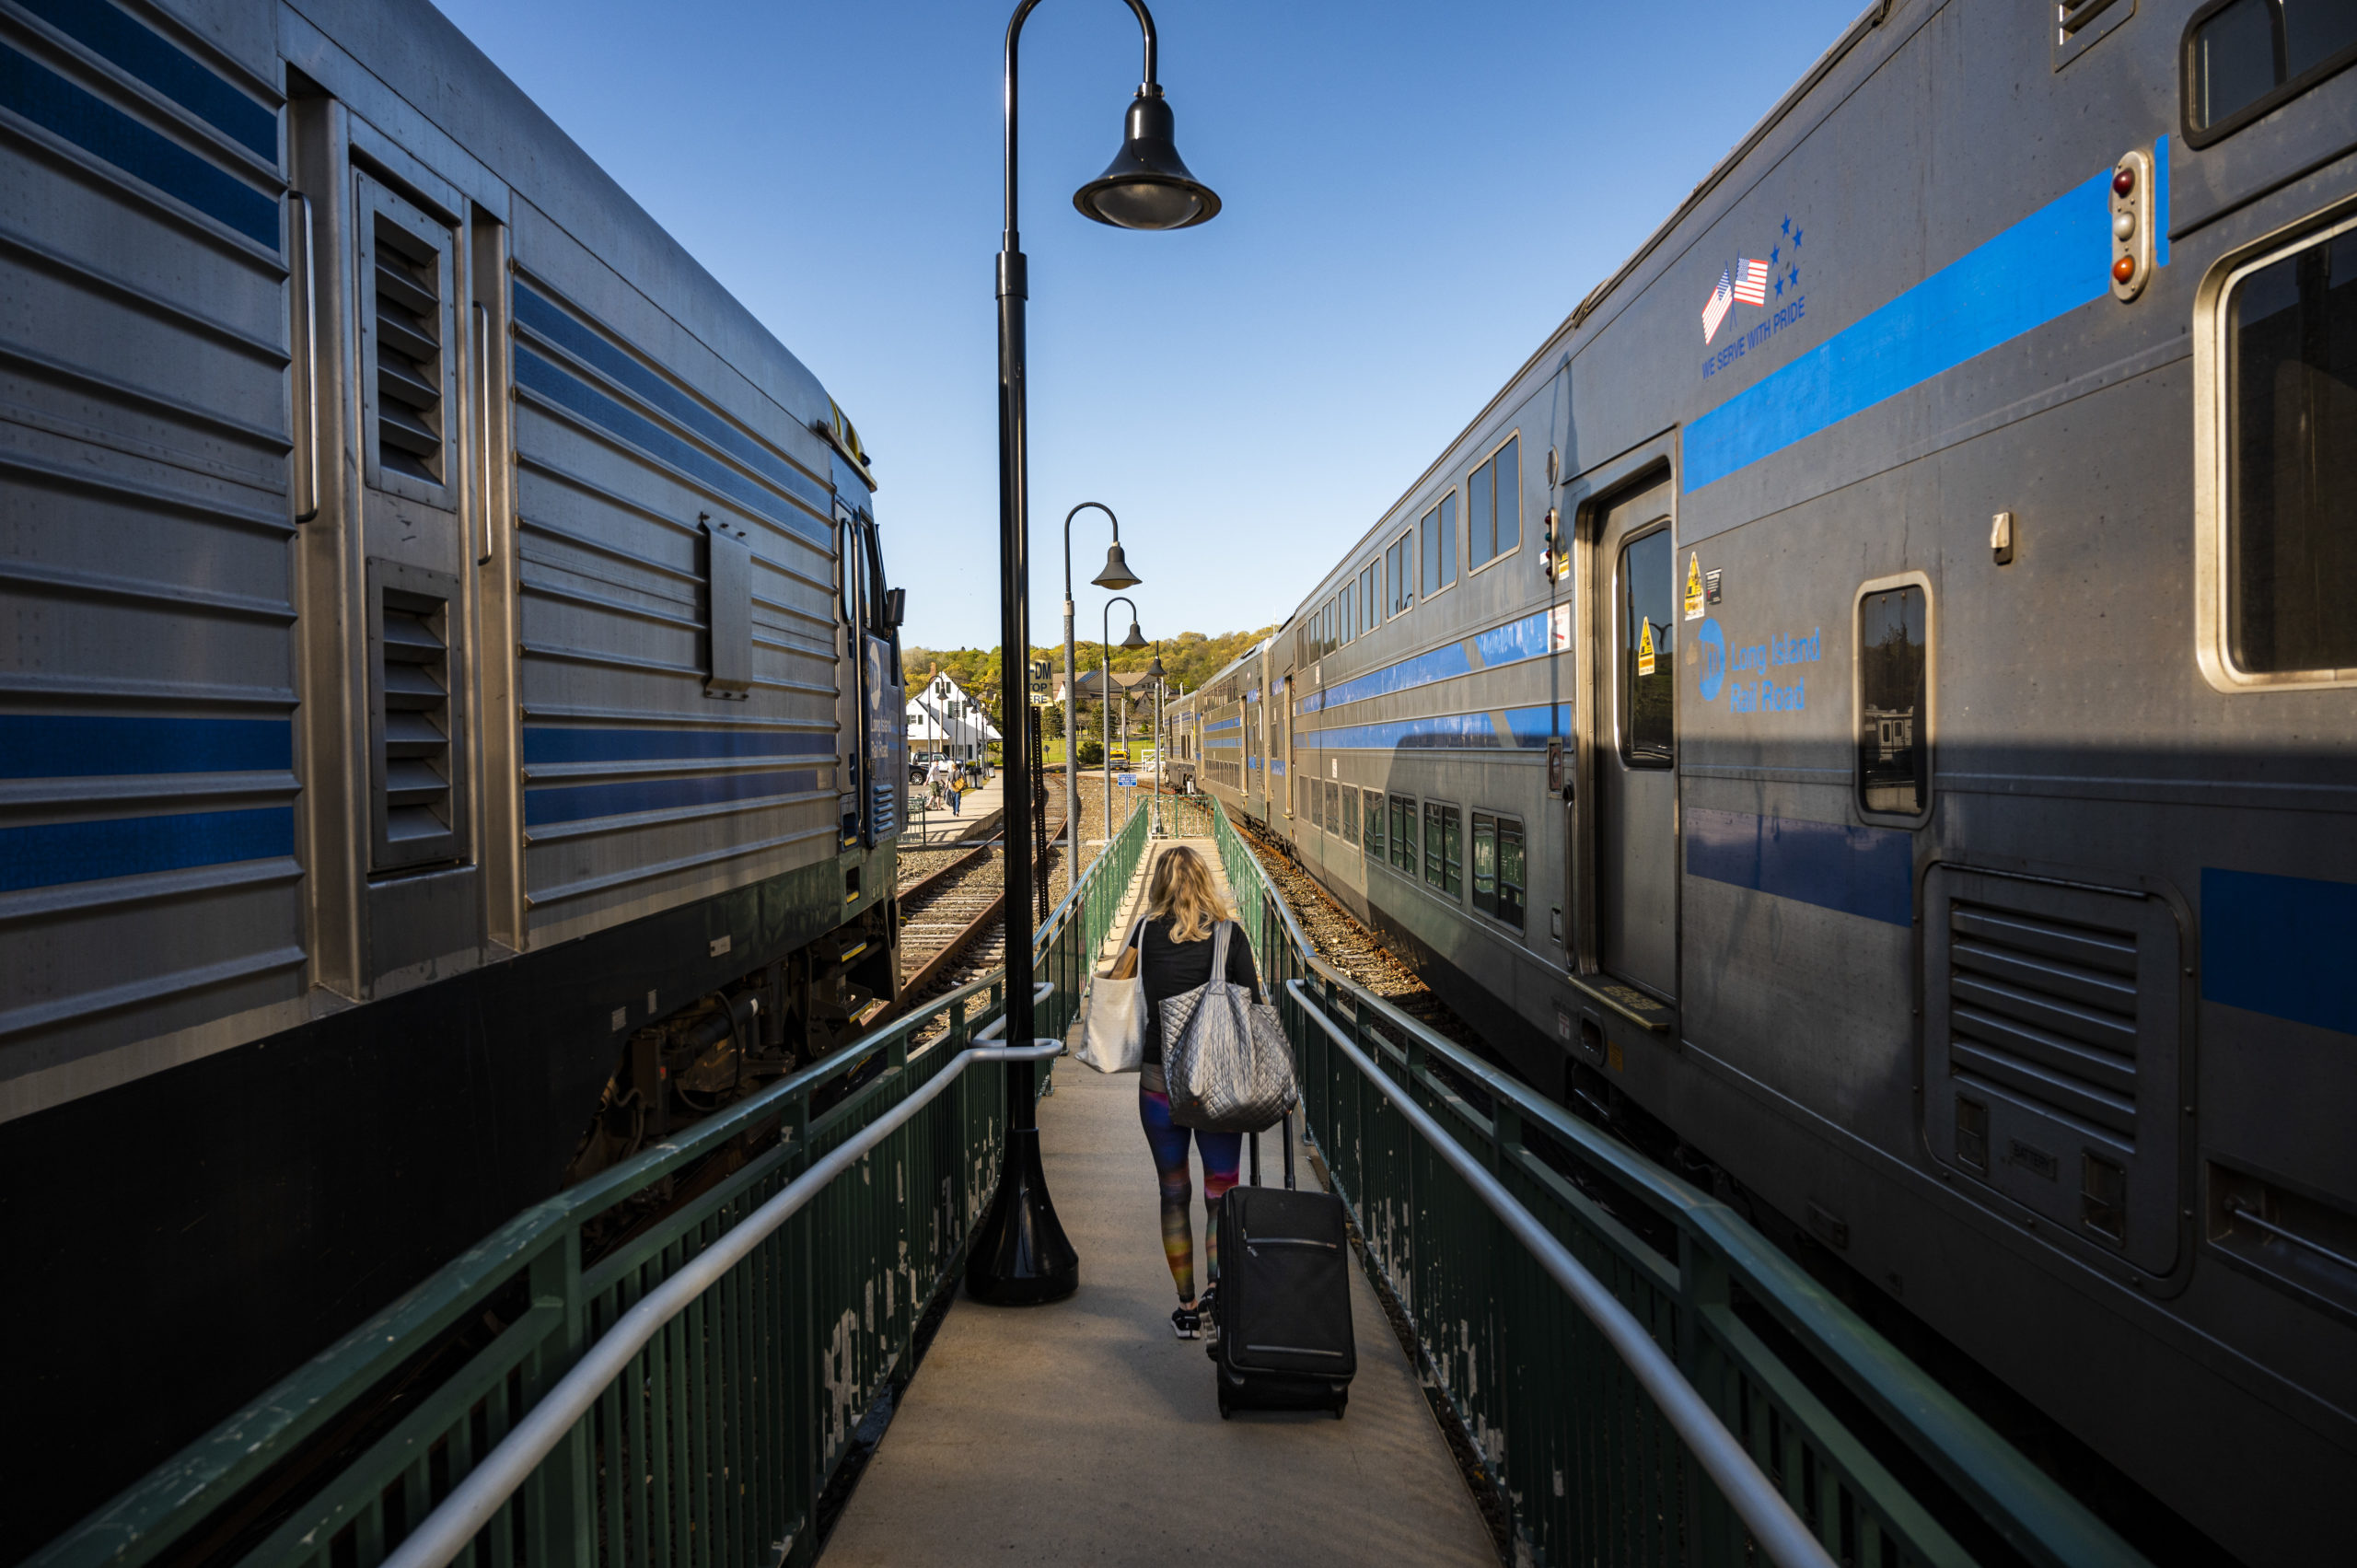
(310, 281)
(489, 1485)
(1753, 1496)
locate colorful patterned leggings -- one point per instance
(1220, 1152)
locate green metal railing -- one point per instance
(1882, 1465)
(712, 1449)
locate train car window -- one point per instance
(1315, 807)
(1444, 848)
(1400, 561)
(1370, 614)
(1498, 867)
(2291, 446)
(1648, 668)
(1493, 506)
(1350, 816)
(1894, 750)
(1374, 845)
(1440, 545)
(1403, 833)
(2243, 57)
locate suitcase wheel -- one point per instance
(1340, 1402)
(1226, 1410)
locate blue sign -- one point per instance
(1127, 781)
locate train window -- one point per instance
(1400, 562)
(2291, 588)
(1894, 745)
(1350, 816)
(1648, 668)
(1333, 792)
(1493, 506)
(1374, 846)
(2243, 57)
(1440, 545)
(1444, 848)
(1370, 614)
(1498, 867)
(1403, 833)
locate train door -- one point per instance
(869, 703)
(1632, 743)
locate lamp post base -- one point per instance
(1020, 1256)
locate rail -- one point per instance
(798, 1293)
(1483, 1205)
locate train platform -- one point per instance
(1083, 1432)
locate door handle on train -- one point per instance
(308, 275)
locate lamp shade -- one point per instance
(1154, 670)
(1116, 574)
(1135, 639)
(1147, 185)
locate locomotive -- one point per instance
(1869, 712)
(450, 712)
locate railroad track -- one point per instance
(953, 924)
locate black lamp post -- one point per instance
(1117, 575)
(1136, 639)
(1019, 1253)
(1153, 672)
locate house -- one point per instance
(944, 720)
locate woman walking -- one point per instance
(1175, 957)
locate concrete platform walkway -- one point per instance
(1083, 1433)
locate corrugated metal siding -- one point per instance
(639, 790)
(148, 875)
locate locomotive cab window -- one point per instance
(2290, 580)
(1894, 701)
(1648, 642)
(2243, 57)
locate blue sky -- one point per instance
(1415, 196)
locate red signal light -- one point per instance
(2124, 181)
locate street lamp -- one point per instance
(1154, 673)
(1117, 575)
(1105, 692)
(1019, 1253)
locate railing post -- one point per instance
(562, 1534)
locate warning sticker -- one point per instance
(1645, 647)
(1694, 587)
(1559, 628)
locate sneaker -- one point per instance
(1208, 1308)
(1186, 1322)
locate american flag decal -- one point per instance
(1722, 301)
(1751, 282)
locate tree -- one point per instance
(1051, 720)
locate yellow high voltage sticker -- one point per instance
(1694, 587)
(1645, 647)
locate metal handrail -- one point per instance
(1756, 1501)
(2024, 1506)
(471, 1504)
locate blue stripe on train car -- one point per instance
(1526, 729)
(2280, 945)
(1861, 871)
(1499, 645)
(540, 374)
(2052, 263)
(105, 30)
(55, 852)
(578, 802)
(551, 745)
(69, 746)
(57, 106)
(544, 316)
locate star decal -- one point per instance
(1788, 226)
(1796, 240)
(1775, 254)
(1780, 289)
(1796, 277)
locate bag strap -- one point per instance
(1219, 954)
(1137, 937)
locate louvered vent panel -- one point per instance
(409, 353)
(2048, 1010)
(417, 811)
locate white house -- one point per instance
(944, 721)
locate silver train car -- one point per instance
(1870, 710)
(449, 709)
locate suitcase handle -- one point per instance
(1286, 1121)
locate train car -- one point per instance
(1867, 711)
(1230, 714)
(451, 701)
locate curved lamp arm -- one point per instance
(1014, 33)
(1105, 627)
(1076, 512)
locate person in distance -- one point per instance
(1175, 956)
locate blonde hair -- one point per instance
(1183, 893)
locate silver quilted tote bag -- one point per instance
(1225, 1056)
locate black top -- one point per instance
(1172, 969)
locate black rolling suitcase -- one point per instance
(1283, 1303)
